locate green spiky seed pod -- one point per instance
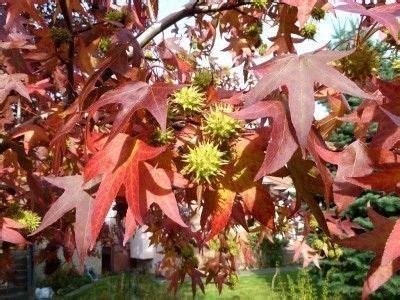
(313, 223)
(260, 3)
(162, 138)
(214, 244)
(339, 252)
(187, 251)
(396, 65)
(194, 261)
(29, 219)
(262, 50)
(254, 29)
(390, 39)
(203, 79)
(189, 100)
(148, 54)
(60, 35)
(318, 244)
(317, 13)
(204, 162)
(309, 31)
(232, 280)
(362, 63)
(335, 253)
(104, 44)
(219, 126)
(115, 15)
(232, 247)
(331, 254)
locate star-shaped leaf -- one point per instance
(308, 254)
(352, 162)
(119, 162)
(281, 144)
(13, 82)
(74, 197)
(299, 73)
(8, 232)
(133, 96)
(383, 14)
(34, 135)
(385, 178)
(378, 241)
(156, 187)
(304, 8)
(256, 200)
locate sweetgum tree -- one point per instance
(96, 105)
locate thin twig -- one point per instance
(71, 52)
(187, 11)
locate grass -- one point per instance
(289, 285)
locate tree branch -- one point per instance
(71, 51)
(189, 10)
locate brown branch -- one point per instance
(71, 51)
(189, 10)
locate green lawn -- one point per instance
(289, 285)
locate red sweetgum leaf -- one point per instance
(308, 184)
(353, 161)
(376, 241)
(218, 205)
(130, 226)
(118, 161)
(299, 73)
(308, 254)
(281, 144)
(386, 178)
(338, 106)
(34, 135)
(133, 96)
(16, 8)
(383, 14)
(304, 8)
(156, 187)
(8, 232)
(257, 201)
(74, 197)
(13, 82)
(314, 140)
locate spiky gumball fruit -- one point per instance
(115, 15)
(105, 44)
(260, 3)
(232, 281)
(318, 244)
(60, 35)
(29, 219)
(218, 126)
(317, 13)
(313, 223)
(189, 100)
(309, 31)
(187, 251)
(204, 161)
(254, 29)
(396, 65)
(162, 138)
(203, 78)
(335, 252)
(362, 63)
